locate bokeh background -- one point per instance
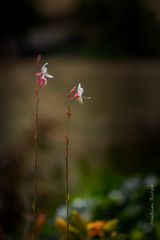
(112, 47)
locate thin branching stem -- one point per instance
(67, 165)
(36, 164)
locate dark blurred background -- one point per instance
(112, 47)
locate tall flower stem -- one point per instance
(36, 163)
(42, 75)
(67, 165)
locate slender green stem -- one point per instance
(35, 164)
(67, 167)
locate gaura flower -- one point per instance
(78, 95)
(43, 75)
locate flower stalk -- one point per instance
(76, 93)
(36, 163)
(41, 76)
(67, 138)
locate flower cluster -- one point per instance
(77, 94)
(43, 75)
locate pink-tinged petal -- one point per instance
(41, 81)
(76, 96)
(71, 92)
(45, 81)
(80, 100)
(38, 60)
(39, 74)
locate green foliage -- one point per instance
(79, 228)
(131, 205)
(121, 214)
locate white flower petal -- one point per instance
(45, 82)
(48, 75)
(87, 97)
(80, 100)
(80, 90)
(44, 68)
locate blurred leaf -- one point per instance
(79, 222)
(137, 234)
(111, 225)
(61, 224)
(157, 230)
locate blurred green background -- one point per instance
(112, 47)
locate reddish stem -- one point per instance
(67, 165)
(36, 163)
